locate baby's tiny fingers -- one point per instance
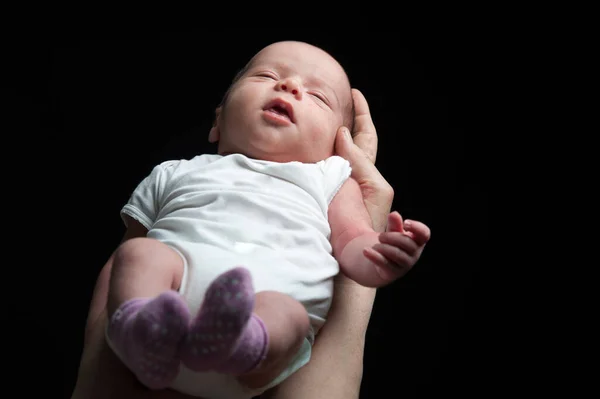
(400, 240)
(421, 233)
(376, 257)
(395, 255)
(395, 222)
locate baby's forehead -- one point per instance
(301, 57)
(315, 65)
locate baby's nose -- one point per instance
(291, 86)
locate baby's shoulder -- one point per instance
(334, 164)
(192, 163)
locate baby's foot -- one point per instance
(227, 307)
(147, 333)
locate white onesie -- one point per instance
(220, 212)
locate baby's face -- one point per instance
(286, 106)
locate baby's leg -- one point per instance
(236, 332)
(287, 324)
(148, 318)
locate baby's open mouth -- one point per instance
(279, 110)
(282, 109)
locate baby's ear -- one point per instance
(215, 134)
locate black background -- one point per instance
(98, 109)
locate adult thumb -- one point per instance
(377, 193)
(343, 143)
(362, 167)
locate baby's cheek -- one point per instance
(324, 134)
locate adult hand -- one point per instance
(361, 151)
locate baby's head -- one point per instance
(285, 105)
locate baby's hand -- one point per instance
(399, 248)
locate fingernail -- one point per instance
(407, 224)
(346, 133)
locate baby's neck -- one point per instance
(282, 158)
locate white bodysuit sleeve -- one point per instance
(336, 171)
(144, 202)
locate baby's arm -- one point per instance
(371, 259)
